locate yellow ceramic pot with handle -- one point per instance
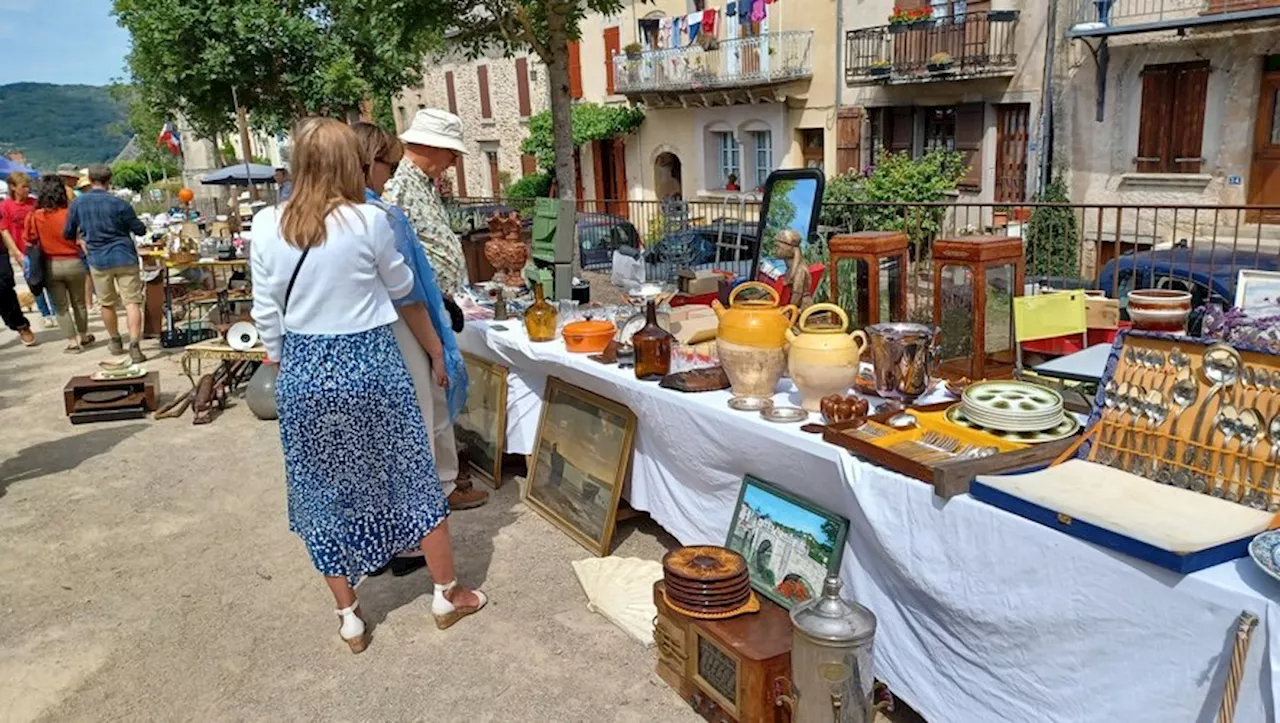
(751, 341)
(758, 322)
(823, 360)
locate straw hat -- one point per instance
(437, 129)
(82, 179)
(68, 170)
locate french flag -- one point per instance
(170, 138)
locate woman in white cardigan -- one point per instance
(362, 483)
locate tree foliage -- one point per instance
(137, 175)
(54, 124)
(283, 58)
(537, 185)
(591, 122)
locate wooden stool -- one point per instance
(981, 257)
(868, 248)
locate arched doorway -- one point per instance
(762, 561)
(667, 177)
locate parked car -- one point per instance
(600, 234)
(1209, 273)
(702, 242)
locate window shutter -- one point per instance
(849, 141)
(461, 169)
(482, 77)
(522, 87)
(612, 46)
(1191, 85)
(1153, 124)
(902, 129)
(449, 91)
(575, 70)
(528, 164)
(970, 127)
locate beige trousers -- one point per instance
(434, 405)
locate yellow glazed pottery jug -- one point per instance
(823, 360)
(751, 340)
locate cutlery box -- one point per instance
(1124, 506)
(950, 477)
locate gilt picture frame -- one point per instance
(790, 544)
(481, 427)
(580, 463)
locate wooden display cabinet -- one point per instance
(872, 252)
(729, 671)
(977, 334)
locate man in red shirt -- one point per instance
(13, 214)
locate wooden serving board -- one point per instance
(948, 478)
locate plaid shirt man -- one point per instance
(413, 191)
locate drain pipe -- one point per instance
(839, 63)
(1046, 100)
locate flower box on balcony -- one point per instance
(879, 71)
(938, 67)
(1002, 16)
(897, 28)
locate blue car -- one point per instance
(1209, 273)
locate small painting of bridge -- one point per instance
(790, 544)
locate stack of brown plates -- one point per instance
(706, 581)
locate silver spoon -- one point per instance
(1221, 366)
(1250, 427)
(1227, 422)
(1134, 406)
(1111, 400)
(1157, 412)
(1184, 392)
(1273, 438)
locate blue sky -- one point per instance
(89, 47)
(783, 512)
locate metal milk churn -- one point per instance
(832, 644)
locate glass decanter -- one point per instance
(540, 319)
(653, 347)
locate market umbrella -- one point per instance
(7, 166)
(234, 175)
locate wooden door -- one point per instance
(619, 190)
(1264, 174)
(612, 46)
(1012, 121)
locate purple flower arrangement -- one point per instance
(1236, 326)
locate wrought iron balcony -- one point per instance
(969, 45)
(1102, 18)
(742, 65)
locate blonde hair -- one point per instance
(327, 176)
(376, 144)
(18, 178)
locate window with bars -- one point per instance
(762, 145)
(730, 161)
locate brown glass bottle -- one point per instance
(540, 319)
(653, 347)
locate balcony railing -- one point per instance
(967, 45)
(1094, 18)
(739, 63)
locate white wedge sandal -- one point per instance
(446, 613)
(352, 629)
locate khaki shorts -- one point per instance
(117, 284)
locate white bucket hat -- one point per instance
(437, 129)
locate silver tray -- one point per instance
(784, 415)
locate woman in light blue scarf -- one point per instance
(437, 338)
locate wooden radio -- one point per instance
(727, 670)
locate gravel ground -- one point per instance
(150, 574)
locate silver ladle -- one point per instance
(1221, 366)
(1251, 432)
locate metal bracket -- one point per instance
(1101, 61)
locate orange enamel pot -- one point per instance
(588, 337)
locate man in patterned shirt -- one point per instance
(433, 144)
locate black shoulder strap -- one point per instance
(289, 291)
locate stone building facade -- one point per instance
(494, 96)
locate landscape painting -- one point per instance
(790, 545)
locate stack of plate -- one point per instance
(706, 581)
(1010, 406)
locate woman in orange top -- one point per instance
(65, 271)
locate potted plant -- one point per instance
(633, 50)
(1022, 214)
(940, 62)
(879, 68)
(1000, 216)
(731, 183)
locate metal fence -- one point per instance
(1135, 12)
(766, 58)
(1100, 246)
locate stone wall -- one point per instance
(502, 133)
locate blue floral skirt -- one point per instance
(362, 483)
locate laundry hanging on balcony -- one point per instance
(649, 30)
(709, 21)
(758, 11)
(694, 23)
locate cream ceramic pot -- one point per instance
(823, 360)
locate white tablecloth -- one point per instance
(983, 616)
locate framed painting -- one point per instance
(580, 463)
(790, 544)
(1258, 292)
(481, 426)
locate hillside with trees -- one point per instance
(54, 124)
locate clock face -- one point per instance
(718, 670)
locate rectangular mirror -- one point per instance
(792, 201)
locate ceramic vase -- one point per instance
(823, 360)
(260, 392)
(1163, 310)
